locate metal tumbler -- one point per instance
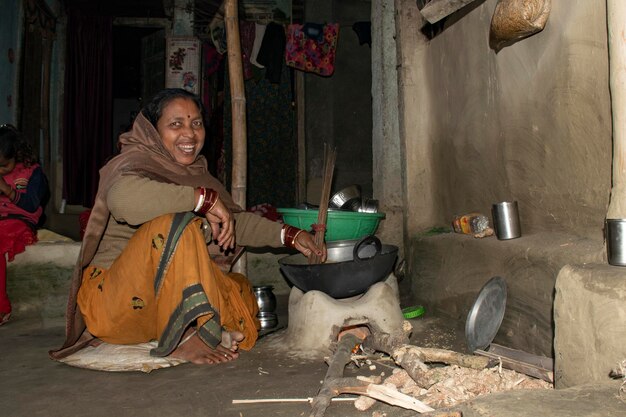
(506, 220)
(265, 298)
(616, 241)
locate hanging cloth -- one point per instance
(311, 47)
(364, 32)
(218, 37)
(259, 33)
(271, 52)
(246, 34)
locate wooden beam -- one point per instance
(436, 10)
(238, 98)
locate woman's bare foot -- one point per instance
(196, 351)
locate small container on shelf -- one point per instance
(476, 224)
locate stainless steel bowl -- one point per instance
(268, 320)
(369, 206)
(348, 198)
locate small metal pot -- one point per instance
(348, 198)
(369, 206)
(265, 298)
(268, 320)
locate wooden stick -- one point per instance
(287, 400)
(383, 342)
(382, 393)
(438, 9)
(339, 361)
(412, 358)
(329, 166)
(446, 356)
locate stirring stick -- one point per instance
(329, 166)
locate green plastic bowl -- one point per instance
(340, 225)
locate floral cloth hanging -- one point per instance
(311, 47)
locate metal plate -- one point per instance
(485, 316)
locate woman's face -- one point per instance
(182, 130)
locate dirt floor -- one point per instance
(33, 385)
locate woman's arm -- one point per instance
(254, 230)
(257, 231)
(136, 200)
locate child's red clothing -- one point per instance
(17, 225)
(16, 235)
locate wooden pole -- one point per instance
(616, 22)
(238, 98)
(301, 137)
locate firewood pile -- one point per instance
(416, 378)
(452, 384)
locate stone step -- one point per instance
(39, 279)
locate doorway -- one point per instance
(138, 73)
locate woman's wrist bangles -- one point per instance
(291, 234)
(206, 202)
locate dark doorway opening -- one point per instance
(138, 72)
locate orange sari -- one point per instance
(163, 282)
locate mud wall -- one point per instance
(339, 108)
(531, 123)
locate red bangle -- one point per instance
(210, 199)
(291, 233)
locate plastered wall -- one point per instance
(531, 123)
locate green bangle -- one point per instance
(412, 312)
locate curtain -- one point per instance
(87, 139)
(272, 145)
(39, 34)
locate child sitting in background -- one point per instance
(23, 188)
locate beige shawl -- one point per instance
(142, 153)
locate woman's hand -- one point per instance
(222, 224)
(306, 245)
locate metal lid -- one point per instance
(485, 316)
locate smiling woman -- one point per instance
(182, 130)
(144, 271)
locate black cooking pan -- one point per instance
(352, 267)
